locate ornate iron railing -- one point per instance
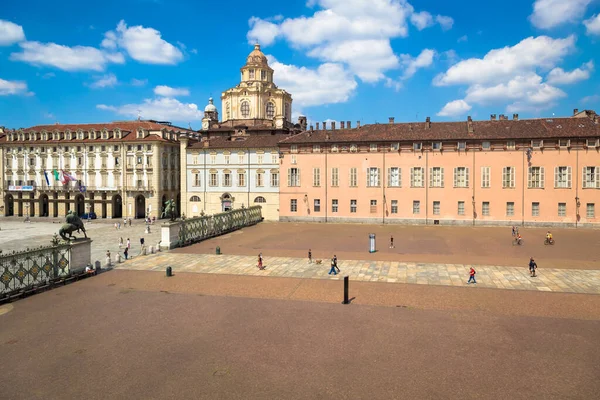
(19, 270)
(193, 230)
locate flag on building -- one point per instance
(56, 175)
(69, 176)
(64, 179)
(47, 180)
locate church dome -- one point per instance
(210, 107)
(256, 57)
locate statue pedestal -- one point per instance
(81, 254)
(169, 232)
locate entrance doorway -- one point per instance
(140, 206)
(226, 202)
(44, 206)
(117, 206)
(79, 205)
(9, 203)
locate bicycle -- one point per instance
(517, 241)
(549, 242)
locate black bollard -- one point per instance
(169, 271)
(346, 284)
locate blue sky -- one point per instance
(341, 59)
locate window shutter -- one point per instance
(512, 177)
(412, 176)
(289, 177)
(455, 177)
(378, 176)
(556, 177)
(442, 177)
(430, 176)
(504, 174)
(399, 177)
(597, 176)
(542, 177)
(529, 177)
(368, 178)
(466, 177)
(569, 177)
(298, 184)
(389, 176)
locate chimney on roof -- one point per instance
(427, 123)
(333, 125)
(324, 125)
(469, 119)
(348, 125)
(317, 126)
(515, 117)
(206, 143)
(470, 124)
(327, 136)
(493, 117)
(501, 118)
(575, 111)
(311, 128)
(391, 120)
(342, 126)
(358, 124)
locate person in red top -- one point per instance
(472, 273)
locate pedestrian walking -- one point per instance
(125, 222)
(260, 261)
(391, 242)
(472, 273)
(514, 231)
(335, 263)
(309, 256)
(116, 226)
(532, 267)
(126, 252)
(120, 242)
(128, 243)
(119, 226)
(130, 222)
(333, 267)
(142, 241)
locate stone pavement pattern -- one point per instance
(498, 277)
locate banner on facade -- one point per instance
(21, 188)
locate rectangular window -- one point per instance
(535, 209)
(353, 178)
(293, 177)
(274, 179)
(250, 74)
(293, 159)
(486, 145)
(196, 180)
(462, 146)
(213, 179)
(436, 208)
(115, 148)
(562, 209)
(564, 143)
(461, 177)
(226, 179)
(510, 145)
(316, 148)
(263, 75)
(334, 205)
(592, 142)
(274, 158)
(562, 177)
(293, 205)
(372, 147)
(510, 208)
(437, 146)
(226, 156)
(373, 177)
(139, 160)
(242, 158)
(335, 148)
(294, 148)
(590, 210)
(317, 205)
(416, 177)
(461, 208)
(485, 208)
(394, 207)
(508, 177)
(334, 177)
(260, 179)
(373, 206)
(536, 178)
(591, 177)
(394, 177)
(259, 158)
(417, 146)
(316, 176)
(242, 179)
(31, 162)
(213, 158)
(537, 144)
(436, 177)
(395, 146)
(352, 206)
(139, 147)
(486, 177)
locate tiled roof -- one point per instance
(482, 130)
(241, 142)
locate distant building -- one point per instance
(116, 170)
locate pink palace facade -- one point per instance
(543, 172)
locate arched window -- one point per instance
(194, 199)
(270, 110)
(245, 109)
(260, 199)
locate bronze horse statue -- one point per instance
(74, 224)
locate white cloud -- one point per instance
(108, 80)
(10, 33)
(595, 98)
(445, 22)
(142, 44)
(138, 82)
(163, 108)
(592, 25)
(558, 76)
(463, 38)
(328, 84)
(411, 65)
(394, 84)
(47, 75)
(66, 58)
(551, 13)
(8, 88)
(167, 91)
(49, 115)
(499, 64)
(261, 31)
(421, 20)
(454, 109)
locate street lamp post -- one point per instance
(87, 208)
